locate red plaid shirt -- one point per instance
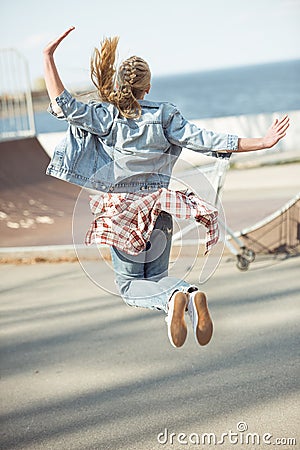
(126, 220)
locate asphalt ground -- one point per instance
(81, 370)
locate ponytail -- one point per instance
(133, 79)
(103, 67)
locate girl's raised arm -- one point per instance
(53, 82)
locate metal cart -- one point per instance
(215, 174)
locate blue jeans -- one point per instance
(143, 279)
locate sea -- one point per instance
(254, 89)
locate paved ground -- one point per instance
(81, 370)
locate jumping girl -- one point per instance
(126, 147)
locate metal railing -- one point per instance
(16, 109)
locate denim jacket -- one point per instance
(104, 151)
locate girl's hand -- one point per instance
(276, 132)
(52, 46)
(53, 82)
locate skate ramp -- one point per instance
(277, 233)
(35, 209)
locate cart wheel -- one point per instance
(242, 263)
(249, 254)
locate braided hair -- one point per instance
(133, 78)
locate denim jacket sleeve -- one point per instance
(185, 134)
(96, 118)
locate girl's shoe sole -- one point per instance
(204, 328)
(177, 329)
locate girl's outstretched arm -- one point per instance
(53, 82)
(185, 134)
(276, 132)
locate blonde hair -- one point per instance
(124, 87)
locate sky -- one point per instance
(174, 36)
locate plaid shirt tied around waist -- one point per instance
(126, 220)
